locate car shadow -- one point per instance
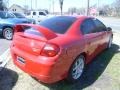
(1, 37)
(8, 79)
(92, 73)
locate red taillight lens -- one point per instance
(50, 50)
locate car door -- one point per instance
(91, 37)
(101, 29)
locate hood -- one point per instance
(14, 21)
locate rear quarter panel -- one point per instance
(71, 47)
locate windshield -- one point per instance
(18, 15)
(5, 15)
(58, 24)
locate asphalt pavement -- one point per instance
(4, 45)
(112, 22)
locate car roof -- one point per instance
(76, 16)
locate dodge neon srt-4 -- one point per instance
(59, 47)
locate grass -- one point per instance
(113, 70)
(114, 67)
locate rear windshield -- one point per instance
(59, 24)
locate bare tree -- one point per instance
(72, 10)
(61, 6)
(88, 7)
(117, 7)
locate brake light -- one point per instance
(50, 50)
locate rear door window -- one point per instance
(88, 26)
(99, 25)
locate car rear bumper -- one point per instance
(36, 66)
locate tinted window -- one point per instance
(99, 25)
(41, 13)
(87, 27)
(58, 24)
(34, 13)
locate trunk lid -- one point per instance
(31, 38)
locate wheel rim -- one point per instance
(78, 68)
(110, 43)
(8, 34)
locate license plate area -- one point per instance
(21, 60)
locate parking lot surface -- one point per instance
(4, 45)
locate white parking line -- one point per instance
(4, 58)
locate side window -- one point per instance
(41, 13)
(87, 26)
(99, 25)
(34, 13)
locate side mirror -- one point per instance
(109, 29)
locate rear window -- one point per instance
(58, 24)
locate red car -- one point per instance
(59, 47)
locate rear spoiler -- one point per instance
(46, 32)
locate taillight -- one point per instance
(50, 50)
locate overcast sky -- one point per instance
(48, 4)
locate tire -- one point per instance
(76, 69)
(8, 33)
(110, 42)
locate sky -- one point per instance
(48, 4)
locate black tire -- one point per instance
(8, 33)
(71, 78)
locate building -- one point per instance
(17, 8)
